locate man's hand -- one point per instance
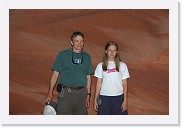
(49, 98)
(88, 101)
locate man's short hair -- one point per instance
(75, 34)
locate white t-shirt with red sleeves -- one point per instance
(112, 79)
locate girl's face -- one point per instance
(111, 52)
(77, 43)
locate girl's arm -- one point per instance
(125, 92)
(97, 92)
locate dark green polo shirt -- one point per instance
(73, 75)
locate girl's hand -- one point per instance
(95, 106)
(124, 106)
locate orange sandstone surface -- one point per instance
(36, 36)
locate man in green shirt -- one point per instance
(73, 67)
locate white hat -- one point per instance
(50, 109)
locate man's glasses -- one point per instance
(77, 61)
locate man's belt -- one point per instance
(75, 88)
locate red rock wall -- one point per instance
(36, 36)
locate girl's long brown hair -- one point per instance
(105, 56)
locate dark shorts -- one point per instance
(72, 102)
(111, 105)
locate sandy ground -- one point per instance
(36, 36)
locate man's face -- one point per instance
(77, 43)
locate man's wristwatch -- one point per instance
(89, 94)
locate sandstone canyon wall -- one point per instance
(36, 36)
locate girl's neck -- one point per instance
(110, 59)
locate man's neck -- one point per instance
(76, 51)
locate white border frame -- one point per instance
(171, 119)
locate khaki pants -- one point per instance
(72, 102)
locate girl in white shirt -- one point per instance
(111, 88)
